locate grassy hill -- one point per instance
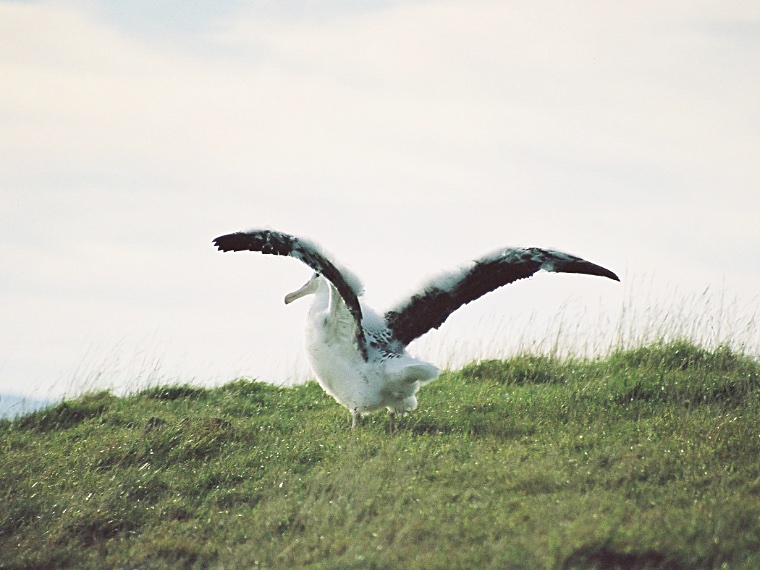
(648, 458)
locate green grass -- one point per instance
(647, 458)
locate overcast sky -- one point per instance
(405, 137)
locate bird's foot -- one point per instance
(355, 417)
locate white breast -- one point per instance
(359, 385)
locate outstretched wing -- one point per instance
(429, 308)
(277, 243)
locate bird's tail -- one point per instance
(410, 370)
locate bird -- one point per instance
(359, 356)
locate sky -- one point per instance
(405, 137)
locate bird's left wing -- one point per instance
(272, 242)
(429, 308)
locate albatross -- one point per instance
(359, 356)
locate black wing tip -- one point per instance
(578, 265)
(599, 271)
(603, 272)
(227, 242)
(269, 242)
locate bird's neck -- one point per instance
(322, 296)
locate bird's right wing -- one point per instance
(429, 308)
(271, 242)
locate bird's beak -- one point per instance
(308, 288)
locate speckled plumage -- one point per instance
(359, 356)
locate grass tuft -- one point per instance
(680, 355)
(67, 414)
(183, 391)
(518, 370)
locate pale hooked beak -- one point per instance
(309, 288)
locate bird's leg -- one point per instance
(392, 415)
(355, 415)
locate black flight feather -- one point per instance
(429, 308)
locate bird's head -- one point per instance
(309, 288)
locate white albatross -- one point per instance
(359, 356)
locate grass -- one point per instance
(646, 458)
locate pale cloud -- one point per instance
(625, 132)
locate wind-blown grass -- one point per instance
(645, 458)
(649, 313)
